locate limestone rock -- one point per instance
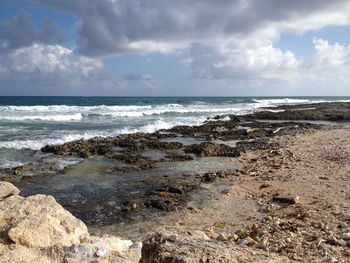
(21, 254)
(7, 189)
(345, 236)
(160, 248)
(200, 234)
(36, 229)
(39, 221)
(104, 249)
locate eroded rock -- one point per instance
(38, 229)
(162, 247)
(212, 149)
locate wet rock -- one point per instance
(156, 144)
(180, 157)
(212, 149)
(315, 111)
(18, 170)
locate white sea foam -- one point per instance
(10, 164)
(67, 117)
(74, 113)
(37, 144)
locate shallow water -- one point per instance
(95, 193)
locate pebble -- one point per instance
(345, 236)
(247, 242)
(173, 238)
(262, 244)
(233, 237)
(277, 223)
(222, 237)
(200, 234)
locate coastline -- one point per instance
(282, 189)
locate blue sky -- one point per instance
(163, 48)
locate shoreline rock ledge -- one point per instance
(38, 229)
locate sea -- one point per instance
(29, 123)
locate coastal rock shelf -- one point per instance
(247, 185)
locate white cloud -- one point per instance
(327, 54)
(238, 62)
(49, 62)
(54, 69)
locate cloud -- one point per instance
(238, 62)
(118, 27)
(48, 64)
(330, 55)
(19, 32)
(228, 41)
(53, 69)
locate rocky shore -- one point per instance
(264, 187)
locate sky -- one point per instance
(174, 48)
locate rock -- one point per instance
(212, 149)
(7, 190)
(200, 234)
(233, 237)
(20, 254)
(158, 249)
(38, 229)
(248, 241)
(252, 130)
(104, 249)
(262, 244)
(345, 236)
(246, 146)
(18, 170)
(222, 237)
(38, 221)
(286, 200)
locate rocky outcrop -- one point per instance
(38, 229)
(168, 247)
(212, 149)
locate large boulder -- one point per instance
(39, 221)
(38, 229)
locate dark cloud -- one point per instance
(116, 27)
(19, 31)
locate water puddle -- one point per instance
(184, 140)
(95, 193)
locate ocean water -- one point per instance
(29, 123)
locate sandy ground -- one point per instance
(311, 223)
